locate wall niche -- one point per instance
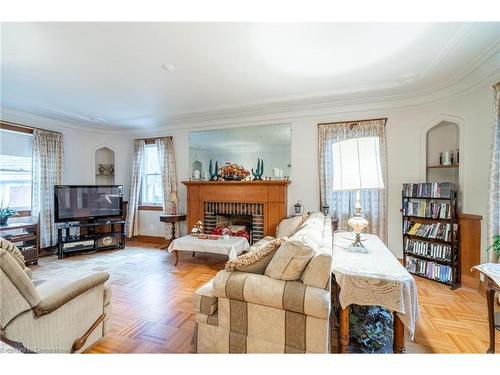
(443, 154)
(104, 166)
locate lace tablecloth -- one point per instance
(232, 247)
(374, 279)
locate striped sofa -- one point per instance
(240, 312)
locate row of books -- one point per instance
(429, 190)
(438, 231)
(430, 270)
(427, 249)
(427, 210)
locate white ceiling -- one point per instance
(111, 75)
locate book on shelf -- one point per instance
(436, 251)
(427, 210)
(429, 269)
(435, 231)
(429, 190)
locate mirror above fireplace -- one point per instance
(244, 146)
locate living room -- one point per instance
(249, 187)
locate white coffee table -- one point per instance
(232, 247)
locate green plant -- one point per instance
(371, 326)
(6, 212)
(495, 245)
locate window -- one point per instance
(15, 170)
(151, 192)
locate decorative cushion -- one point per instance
(14, 251)
(256, 261)
(287, 227)
(290, 260)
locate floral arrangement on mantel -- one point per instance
(233, 172)
(241, 233)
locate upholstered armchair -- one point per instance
(53, 318)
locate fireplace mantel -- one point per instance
(272, 194)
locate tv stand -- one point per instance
(91, 236)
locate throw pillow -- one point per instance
(14, 251)
(255, 261)
(287, 227)
(290, 260)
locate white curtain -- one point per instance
(494, 201)
(373, 202)
(166, 158)
(47, 171)
(135, 188)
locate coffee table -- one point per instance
(232, 247)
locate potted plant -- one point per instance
(5, 213)
(495, 245)
(371, 327)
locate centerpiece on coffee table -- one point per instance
(233, 172)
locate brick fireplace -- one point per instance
(257, 205)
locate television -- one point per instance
(87, 202)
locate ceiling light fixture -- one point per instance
(168, 67)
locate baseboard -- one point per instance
(150, 239)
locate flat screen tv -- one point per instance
(87, 202)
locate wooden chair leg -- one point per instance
(80, 342)
(176, 257)
(344, 330)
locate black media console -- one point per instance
(90, 236)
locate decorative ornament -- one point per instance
(257, 175)
(214, 174)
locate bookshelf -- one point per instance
(25, 236)
(430, 231)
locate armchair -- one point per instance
(55, 318)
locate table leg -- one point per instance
(344, 330)
(398, 345)
(173, 231)
(193, 254)
(176, 257)
(490, 296)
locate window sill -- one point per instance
(23, 213)
(149, 207)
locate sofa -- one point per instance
(56, 317)
(267, 311)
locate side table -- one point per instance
(172, 219)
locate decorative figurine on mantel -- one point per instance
(197, 229)
(214, 174)
(298, 208)
(257, 175)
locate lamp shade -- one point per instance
(173, 196)
(356, 164)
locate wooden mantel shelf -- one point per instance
(269, 182)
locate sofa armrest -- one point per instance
(204, 300)
(69, 292)
(262, 290)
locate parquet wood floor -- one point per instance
(153, 310)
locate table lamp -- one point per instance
(173, 201)
(356, 166)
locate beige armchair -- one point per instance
(56, 317)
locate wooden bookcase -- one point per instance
(25, 236)
(431, 254)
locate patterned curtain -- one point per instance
(166, 158)
(135, 188)
(494, 202)
(373, 202)
(47, 171)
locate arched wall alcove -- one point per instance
(104, 166)
(443, 152)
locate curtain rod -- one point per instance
(15, 124)
(152, 139)
(353, 121)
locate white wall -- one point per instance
(406, 131)
(406, 151)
